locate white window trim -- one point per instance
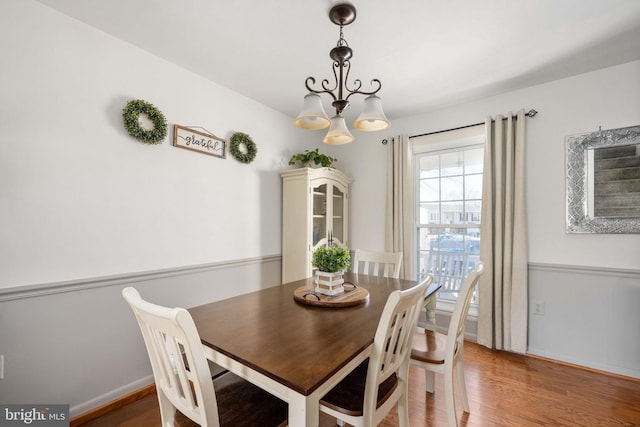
(448, 306)
(468, 136)
(452, 140)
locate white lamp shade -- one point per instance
(372, 117)
(338, 133)
(312, 115)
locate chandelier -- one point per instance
(313, 115)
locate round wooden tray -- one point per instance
(352, 296)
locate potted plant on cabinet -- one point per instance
(331, 262)
(312, 158)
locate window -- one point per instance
(449, 195)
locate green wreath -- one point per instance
(131, 113)
(238, 139)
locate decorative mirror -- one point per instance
(603, 181)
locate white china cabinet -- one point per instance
(314, 212)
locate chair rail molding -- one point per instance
(31, 291)
(605, 271)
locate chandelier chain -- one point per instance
(342, 41)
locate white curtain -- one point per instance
(399, 234)
(502, 311)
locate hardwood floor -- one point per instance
(504, 390)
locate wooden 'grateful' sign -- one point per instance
(202, 142)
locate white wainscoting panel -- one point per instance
(591, 316)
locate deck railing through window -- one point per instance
(449, 269)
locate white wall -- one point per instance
(86, 210)
(576, 313)
(81, 198)
(609, 98)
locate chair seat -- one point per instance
(428, 346)
(257, 408)
(348, 396)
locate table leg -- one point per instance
(304, 410)
(431, 315)
(430, 324)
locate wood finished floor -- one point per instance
(504, 390)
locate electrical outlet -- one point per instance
(538, 307)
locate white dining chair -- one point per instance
(385, 264)
(367, 394)
(439, 353)
(183, 379)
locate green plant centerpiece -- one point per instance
(331, 262)
(312, 158)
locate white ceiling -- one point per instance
(427, 53)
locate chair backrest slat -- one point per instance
(386, 264)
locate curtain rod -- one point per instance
(530, 113)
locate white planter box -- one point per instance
(329, 283)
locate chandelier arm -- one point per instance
(357, 83)
(337, 81)
(344, 67)
(311, 81)
(362, 92)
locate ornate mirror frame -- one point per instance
(579, 160)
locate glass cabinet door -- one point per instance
(319, 231)
(337, 216)
(329, 206)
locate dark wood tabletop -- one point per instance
(297, 345)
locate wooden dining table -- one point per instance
(295, 351)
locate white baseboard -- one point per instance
(110, 396)
(618, 370)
